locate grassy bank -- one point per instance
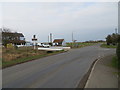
(0, 57)
(79, 44)
(107, 46)
(24, 54)
(115, 64)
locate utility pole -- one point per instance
(72, 40)
(51, 38)
(115, 30)
(72, 37)
(48, 38)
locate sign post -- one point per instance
(34, 39)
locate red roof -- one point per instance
(58, 40)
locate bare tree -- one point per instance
(4, 29)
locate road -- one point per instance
(64, 70)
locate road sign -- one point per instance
(34, 38)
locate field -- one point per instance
(15, 56)
(79, 44)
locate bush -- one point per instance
(109, 39)
(118, 51)
(112, 39)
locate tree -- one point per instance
(4, 29)
(114, 38)
(109, 39)
(5, 35)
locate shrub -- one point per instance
(109, 39)
(112, 39)
(118, 51)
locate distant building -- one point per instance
(14, 38)
(28, 43)
(59, 42)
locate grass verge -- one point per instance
(26, 59)
(108, 46)
(115, 64)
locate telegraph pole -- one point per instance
(48, 38)
(72, 37)
(115, 30)
(51, 38)
(72, 40)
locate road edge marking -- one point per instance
(93, 67)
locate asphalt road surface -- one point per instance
(63, 70)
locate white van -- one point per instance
(45, 45)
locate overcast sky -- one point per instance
(87, 20)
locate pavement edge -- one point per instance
(84, 80)
(91, 72)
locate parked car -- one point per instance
(20, 45)
(45, 45)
